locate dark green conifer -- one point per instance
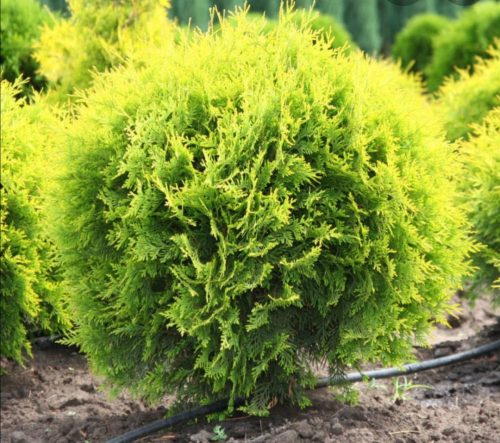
(361, 19)
(270, 7)
(228, 5)
(335, 8)
(195, 12)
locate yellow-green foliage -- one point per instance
(467, 99)
(465, 39)
(327, 28)
(267, 23)
(414, 46)
(21, 21)
(30, 294)
(324, 26)
(98, 35)
(481, 195)
(250, 205)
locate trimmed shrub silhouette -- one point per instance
(30, 287)
(467, 99)
(20, 28)
(414, 44)
(249, 205)
(481, 197)
(97, 36)
(467, 38)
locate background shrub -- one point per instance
(465, 39)
(249, 205)
(327, 27)
(481, 188)
(362, 19)
(467, 99)
(30, 287)
(373, 24)
(414, 44)
(21, 21)
(195, 13)
(98, 35)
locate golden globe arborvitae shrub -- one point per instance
(465, 39)
(467, 99)
(21, 21)
(30, 286)
(414, 46)
(99, 35)
(248, 206)
(481, 197)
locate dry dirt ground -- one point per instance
(54, 399)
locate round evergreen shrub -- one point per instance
(467, 99)
(414, 46)
(30, 284)
(248, 206)
(98, 35)
(21, 21)
(467, 38)
(481, 196)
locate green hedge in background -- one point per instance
(193, 12)
(414, 46)
(465, 39)
(334, 8)
(361, 19)
(372, 23)
(233, 213)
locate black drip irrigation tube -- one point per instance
(44, 342)
(353, 377)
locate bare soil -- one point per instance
(55, 399)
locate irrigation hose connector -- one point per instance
(353, 377)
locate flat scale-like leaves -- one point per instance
(248, 205)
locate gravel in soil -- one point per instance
(55, 399)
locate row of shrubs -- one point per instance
(218, 212)
(71, 49)
(436, 46)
